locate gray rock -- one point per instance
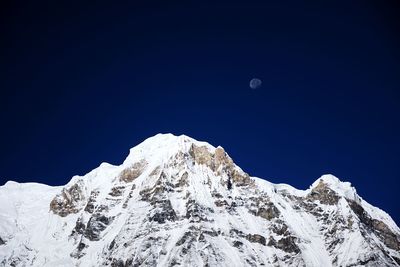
(286, 244)
(256, 238)
(68, 202)
(97, 223)
(324, 194)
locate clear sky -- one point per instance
(82, 83)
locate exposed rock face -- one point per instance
(117, 191)
(221, 158)
(202, 156)
(280, 228)
(287, 244)
(69, 201)
(97, 223)
(130, 174)
(269, 211)
(164, 212)
(79, 251)
(179, 202)
(324, 194)
(256, 238)
(130, 195)
(220, 162)
(79, 228)
(183, 181)
(390, 239)
(92, 201)
(196, 212)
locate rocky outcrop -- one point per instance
(253, 238)
(79, 250)
(269, 211)
(69, 201)
(389, 238)
(90, 206)
(163, 212)
(237, 244)
(79, 228)
(262, 206)
(155, 194)
(239, 178)
(120, 263)
(221, 203)
(97, 223)
(280, 228)
(133, 172)
(183, 181)
(202, 156)
(256, 238)
(186, 237)
(2, 242)
(323, 194)
(220, 163)
(196, 212)
(287, 244)
(117, 191)
(130, 195)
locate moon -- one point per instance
(255, 83)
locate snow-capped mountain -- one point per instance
(178, 201)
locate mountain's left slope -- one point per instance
(177, 201)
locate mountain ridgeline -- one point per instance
(176, 201)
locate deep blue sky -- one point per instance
(81, 84)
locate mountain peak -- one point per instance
(343, 189)
(161, 146)
(170, 139)
(179, 201)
